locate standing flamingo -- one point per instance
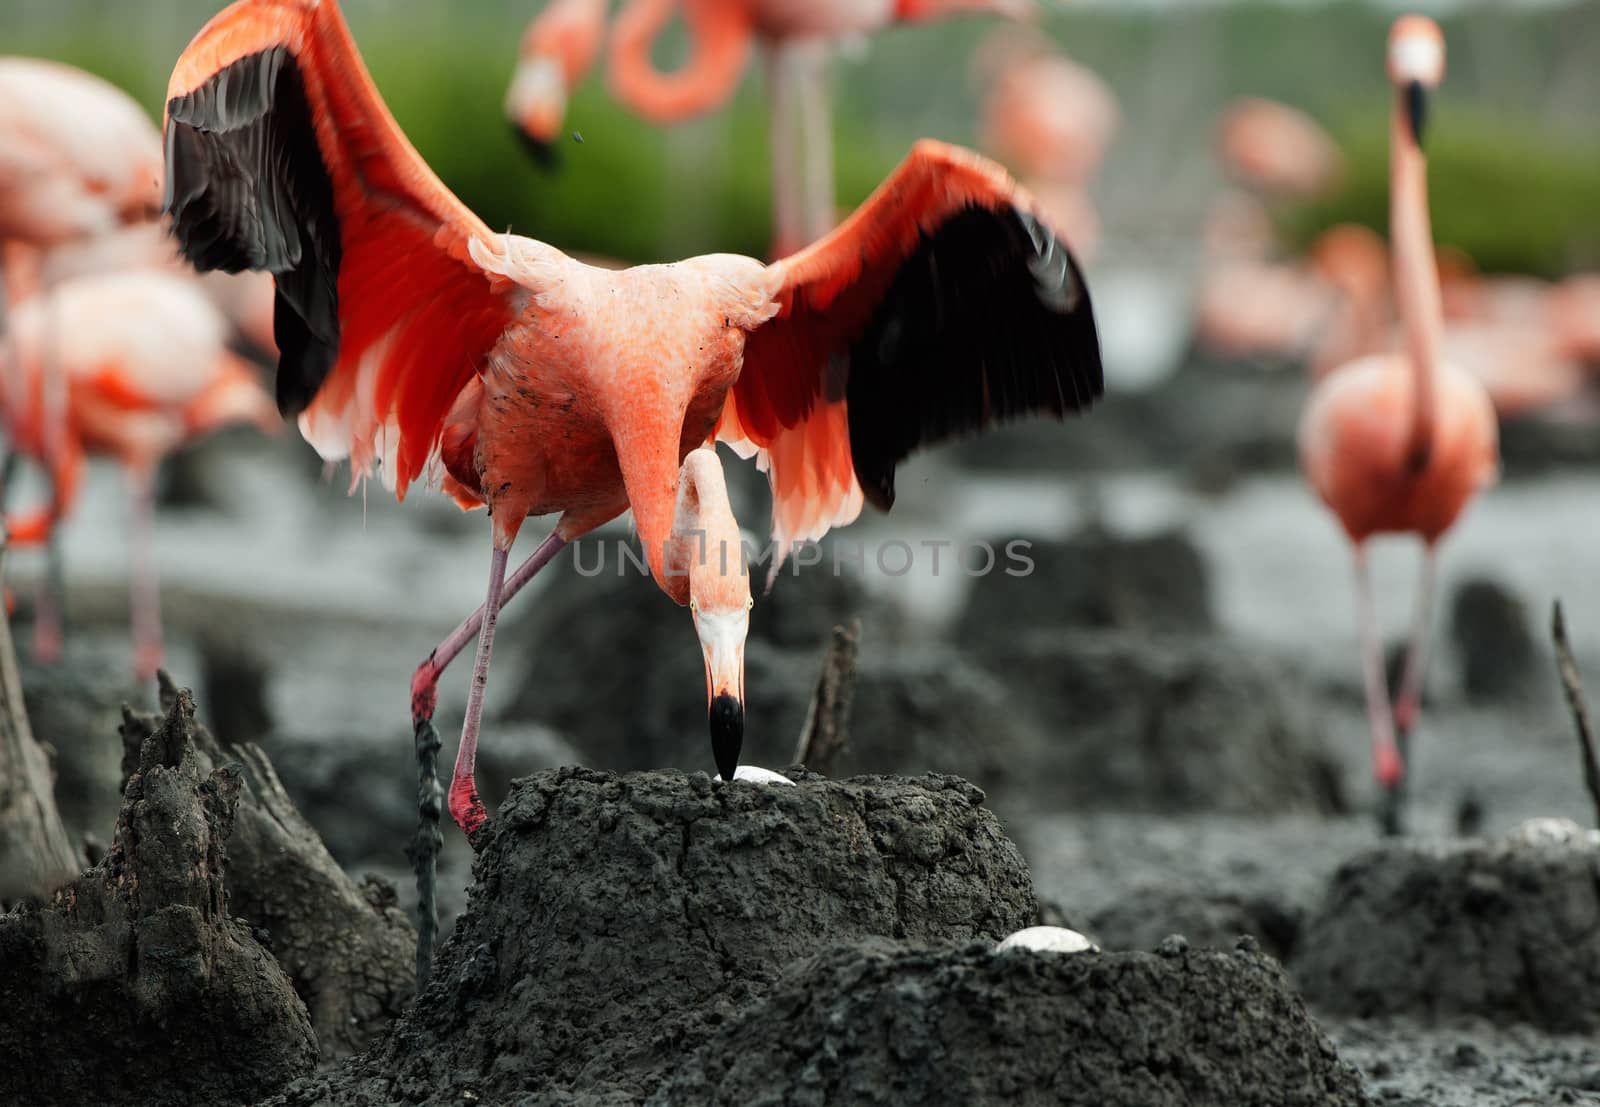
(1399, 443)
(414, 339)
(796, 33)
(143, 363)
(78, 158)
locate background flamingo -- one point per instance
(143, 364)
(558, 50)
(1278, 150)
(414, 339)
(722, 33)
(1051, 120)
(77, 155)
(1401, 443)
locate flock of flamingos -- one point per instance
(414, 342)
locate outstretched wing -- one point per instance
(281, 156)
(942, 306)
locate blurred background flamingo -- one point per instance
(562, 43)
(1401, 443)
(142, 361)
(1051, 121)
(112, 345)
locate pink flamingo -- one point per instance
(1401, 443)
(77, 155)
(415, 340)
(1278, 149)
(143, 363)
(245, 299)
(1051, 120)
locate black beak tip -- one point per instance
(543, 153)
(1417, 109)
(727, 733)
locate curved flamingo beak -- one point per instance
(722, 638)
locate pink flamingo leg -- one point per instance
(1409, 705)
(425, 681)
(425, 846)
(816, 139)
(465, 807)
(146, 589)
(49, 622)
(1387, 765)
(788, 199)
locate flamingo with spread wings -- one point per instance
(415, 341)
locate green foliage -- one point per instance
(1513, 199)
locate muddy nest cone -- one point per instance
(1502, 929)
(134, 985)
(348, 948)
(1094, 579)
(973, 1026)
(1166, 724)
(617, 921)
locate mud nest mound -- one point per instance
(975, 1026)
(134, 985)
(1095, 579)
(617, 921)
(1504, 929)
(1208, 920)
(1167, 724)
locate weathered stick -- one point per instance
(36, 854)
(827, 727)
(1572, 684)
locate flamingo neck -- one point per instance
(704, 551)
(1416, 276)
(721, 34)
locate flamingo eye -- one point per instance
(750, 603)
(694, 607)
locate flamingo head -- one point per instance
(722, 622)
(536, 106)
(1416, 65)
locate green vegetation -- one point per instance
(1511, 198)
(1516, 165)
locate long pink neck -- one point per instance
(705, 536)
(1416, 275)
(721, 32)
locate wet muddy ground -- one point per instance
(1170, 732)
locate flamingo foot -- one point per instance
(1389, 768)
(755, 774)
(465, 806)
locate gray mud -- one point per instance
(1508, 930)
(617, 921)
(347, 947)
(135, 984)
(953, 1027)
(1095, 579)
